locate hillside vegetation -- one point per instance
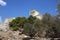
(48, 27)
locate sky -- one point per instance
(18, 8)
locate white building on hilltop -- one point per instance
(36, 14)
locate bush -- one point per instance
(15, 28)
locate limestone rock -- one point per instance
(5, 26)
(11, 35)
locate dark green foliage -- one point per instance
(15, 28)
(19, 22)
(31, 19)
(58, 8)
(28, 29)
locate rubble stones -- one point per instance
(11, 35)
(14, 35)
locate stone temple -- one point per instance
(36, 14)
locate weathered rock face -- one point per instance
(11, 35)
(36, 14)
(5, 25)
(14, 35)
(8, 20)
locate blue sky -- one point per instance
(15, 8)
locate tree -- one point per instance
(39, 28)
(28, 29)
(49, 23)
(28, 26)
(18, 22)
(57, 25)
(31, 19)
(58, 8)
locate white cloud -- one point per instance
(2, 3)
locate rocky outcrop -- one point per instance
(11, 35)
(15, 35)
(5, 26)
